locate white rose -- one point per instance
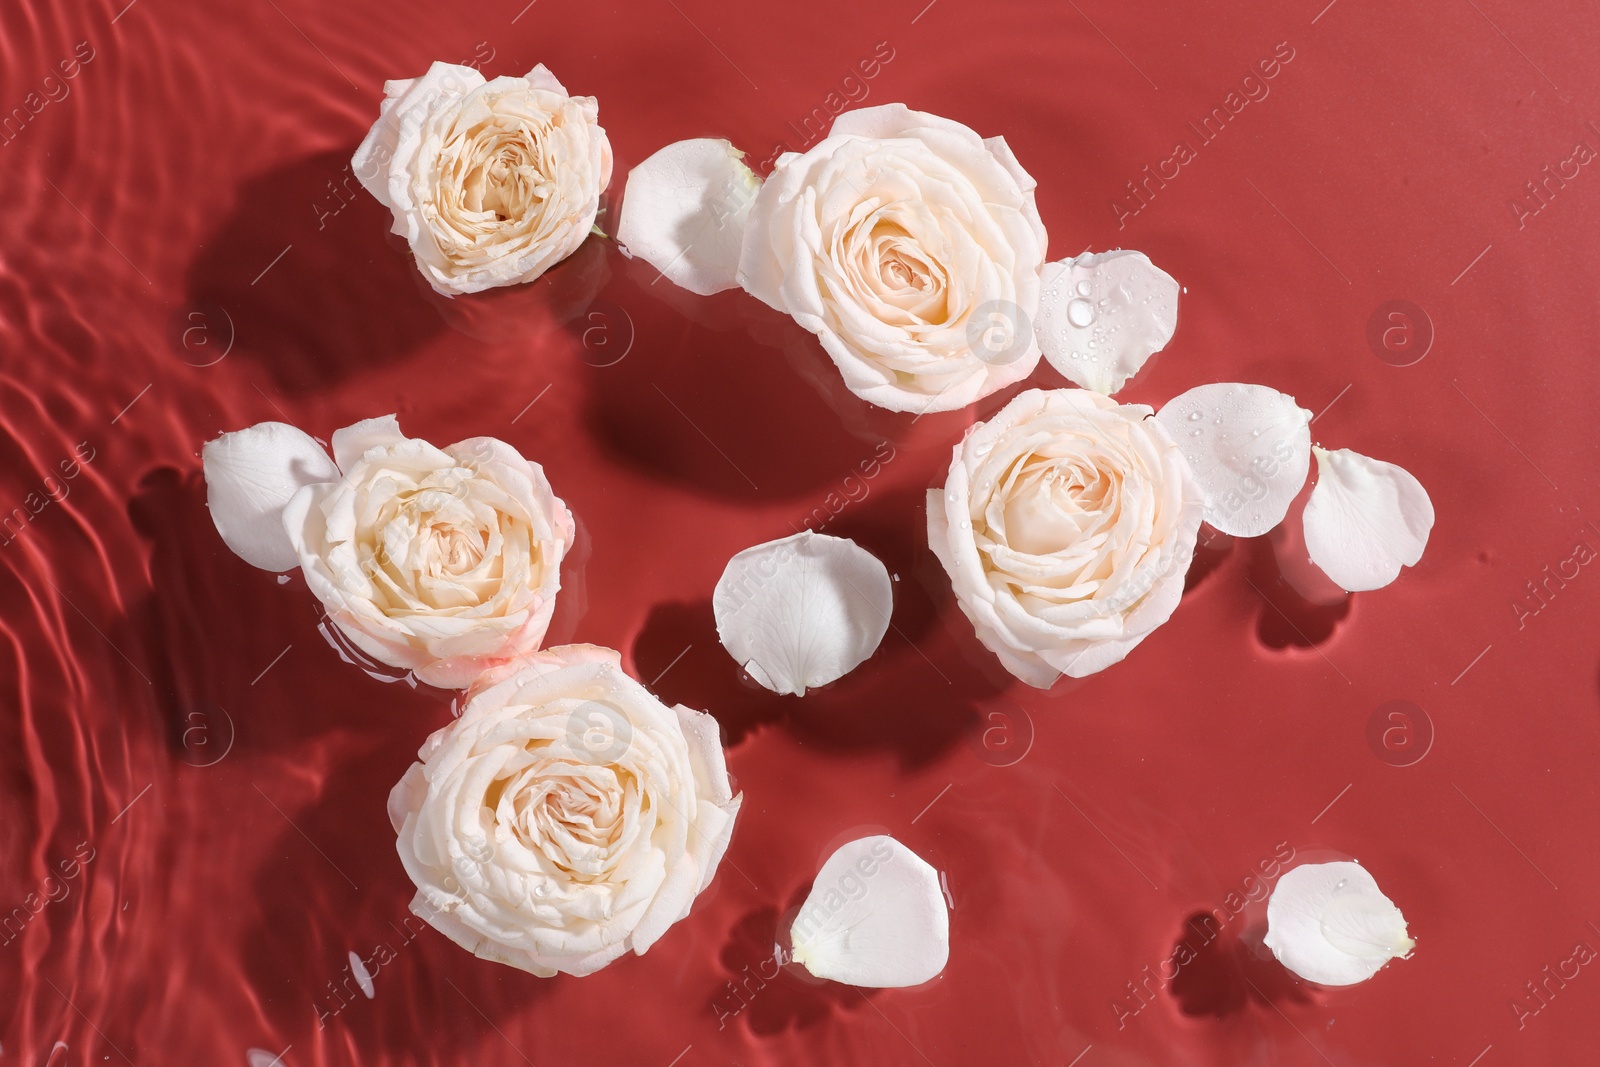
(492, 183)
(566, 818)
(443, 561)
(912, 248)
(1066, 525)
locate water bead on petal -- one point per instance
(1118, 305)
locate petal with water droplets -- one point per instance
(875, 918)
(250, 476)
(1365, 520)
(1249, 447)
(1103, 314)
(684, 213)
(802, 611)
(1329, 923)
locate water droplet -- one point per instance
(1194, 416)
(1256, 432)
(1083, 288)
(1217, 421)
(1080, 312)
(1195, 432)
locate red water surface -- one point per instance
(198, 780)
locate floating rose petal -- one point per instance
(802, 611)
(1365, 520)
(875, 918)
(1103, 314)
(684, 212)
(1249, 447)
(363, 977)
(1329, 923)
(250, 476)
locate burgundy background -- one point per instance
(175, 715)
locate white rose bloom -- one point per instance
(491, 182)
(912, 248)
(1067, 524)
(566, 818)
(442, 561)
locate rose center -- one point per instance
(505, 170)
(574, 816)
(1052, 506)
(511, 186)
(898, 272)
(457, 551)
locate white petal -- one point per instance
(711, 843)
(541, 78)
(1103, 314)
(1329, 923)
(706, 755)
(1365, 519)
(887, 121)
(370, 163)
(373, 158)
(684, 213)
(875, 917)
(802, 611)
(363, 977)
(351, 442)
(1249, 447)
(250, 476)
(672, 901)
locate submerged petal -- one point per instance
(684, 213)
(802, 611)
(1365, 520)
(250, 476)
(875, 918)
(1329, 923)
(1249, 447)
(1103, 314)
